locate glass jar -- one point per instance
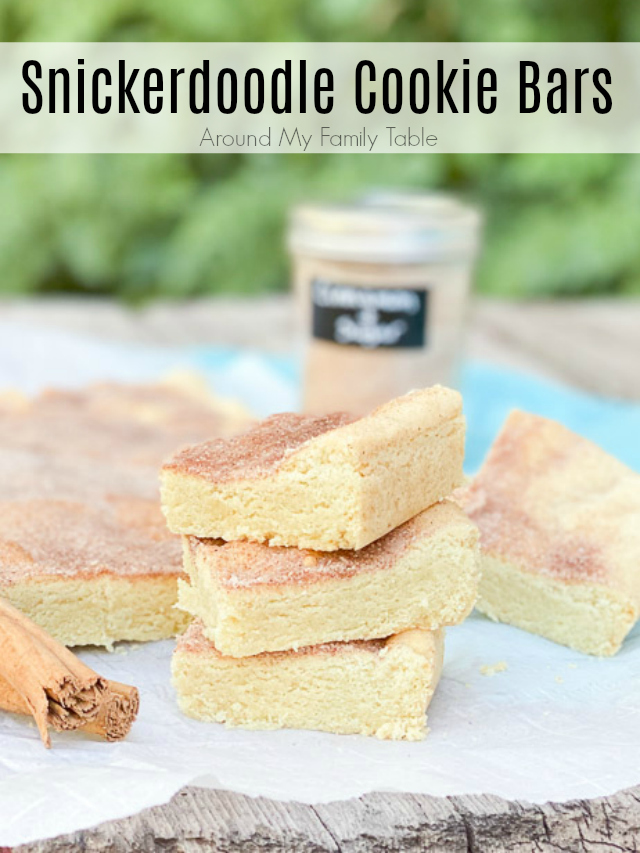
(381, 290)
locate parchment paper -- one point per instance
(553, 725)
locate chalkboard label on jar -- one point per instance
(369, 317)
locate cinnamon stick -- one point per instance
(41, 677)
(117, 712)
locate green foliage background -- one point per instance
(175, 226)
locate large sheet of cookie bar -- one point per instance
(84, 549)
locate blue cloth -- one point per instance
(490, 393)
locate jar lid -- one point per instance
(388, 227)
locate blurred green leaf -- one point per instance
(181, 225)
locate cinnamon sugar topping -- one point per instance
(67, 539)
(532, 504)
(257, 452)
(248, 564)
(79, 480)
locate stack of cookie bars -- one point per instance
(324, 560)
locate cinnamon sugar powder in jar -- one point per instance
(381, 290)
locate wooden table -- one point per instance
(594, 345)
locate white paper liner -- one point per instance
(554, 725)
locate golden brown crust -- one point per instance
(49, 538)
(556, 504)
(79, 480)
(256, 452)
(262, 449)
(136, 424)
(248, 564)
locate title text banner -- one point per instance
(319, 97)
